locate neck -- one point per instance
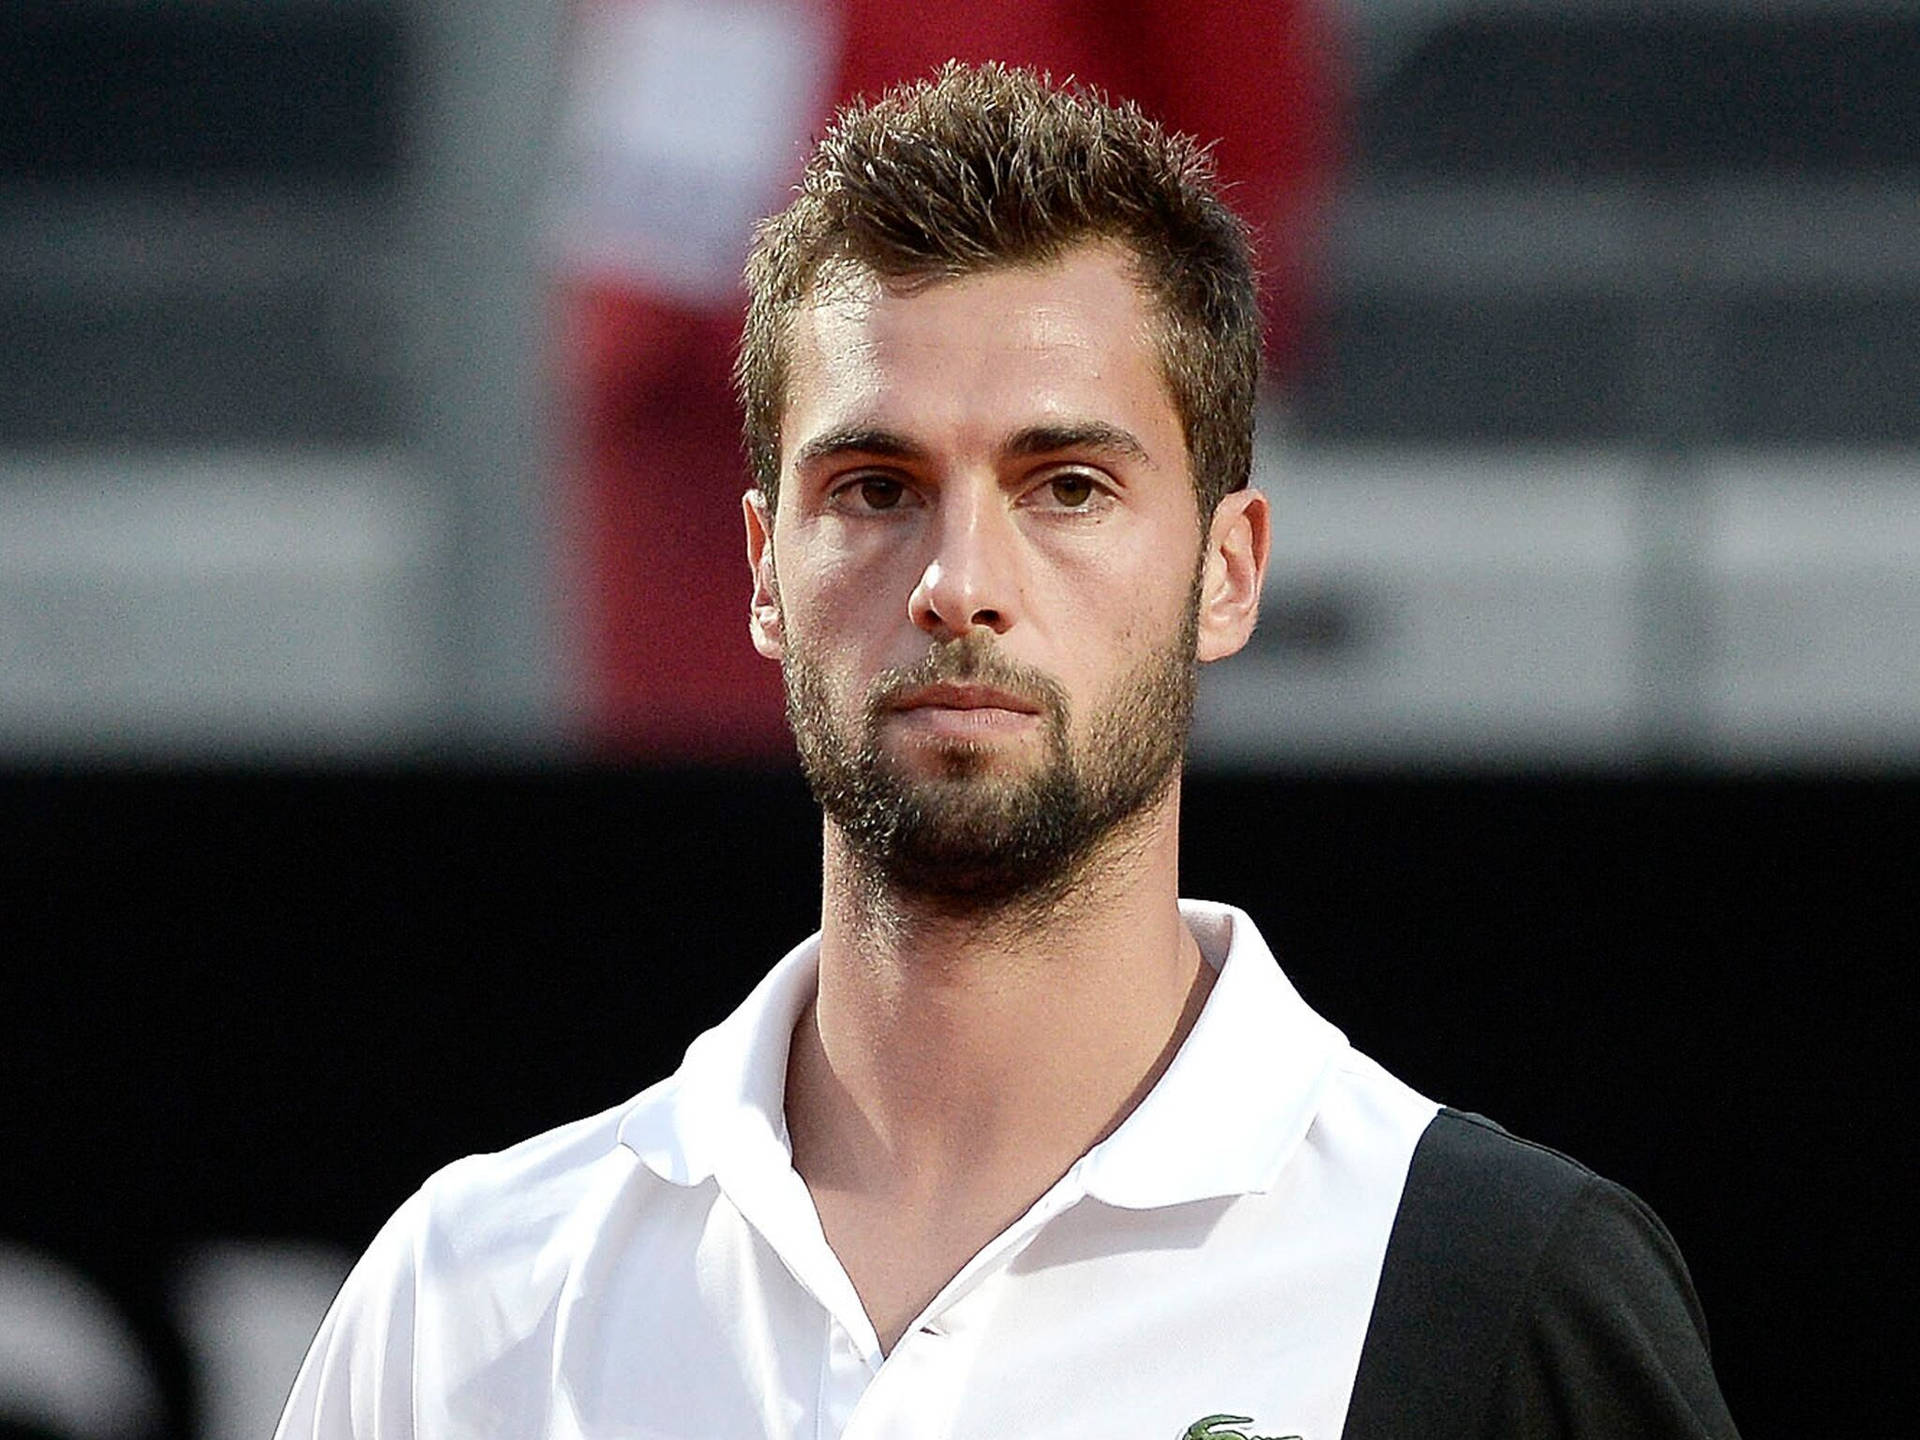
(947, 1049)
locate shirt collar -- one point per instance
(725, 1108)
(1241, 1091)
(1224, 1119)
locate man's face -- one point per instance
(983, 572)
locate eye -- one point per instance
(866, 493)
(879, 493)
(1072, 490)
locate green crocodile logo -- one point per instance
(1227, 1427)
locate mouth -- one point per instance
(949, 695)
(951, 712)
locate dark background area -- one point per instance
(267, 1005)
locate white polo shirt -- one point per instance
(659, 1270)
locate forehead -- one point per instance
(967, 356)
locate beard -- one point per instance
(971, 838)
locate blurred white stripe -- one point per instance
(68, 1362)
(214, 604)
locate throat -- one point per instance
(901, 1249)
(930, 1108)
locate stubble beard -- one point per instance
(970, 839)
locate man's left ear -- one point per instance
(1232, 572)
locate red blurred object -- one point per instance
(660, 555)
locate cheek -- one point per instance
(1118, 601)
(848, 584)
(826, 607)
(812, 569)
(831, 614)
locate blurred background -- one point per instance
(384, 766)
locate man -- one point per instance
(1019, 1144)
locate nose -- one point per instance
(971, 580)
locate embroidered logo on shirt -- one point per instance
(1227, 1427)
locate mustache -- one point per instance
(970, 659)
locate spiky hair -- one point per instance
(990, 166)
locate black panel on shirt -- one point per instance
(1524, 1296)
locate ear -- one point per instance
(763, 612)
(1232, 571)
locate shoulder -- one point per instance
(511, 1197)
(1472, 1180)
(1525, 1222)
(1523, 1294)
(463, 1276)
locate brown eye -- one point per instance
(879, 493)
(1071, 491)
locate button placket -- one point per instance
(916, 1393)
(999, 1253)
(845, 1376)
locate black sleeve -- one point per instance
(1609, 1340)
(1524, 1298)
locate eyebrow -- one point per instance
(857, 440)
(1095, 435)
(1079, 435)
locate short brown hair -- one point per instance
(990, 166)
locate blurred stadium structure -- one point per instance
(1606, 453)
(1610, 455)
(273, 477)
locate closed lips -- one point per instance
(964, 697)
